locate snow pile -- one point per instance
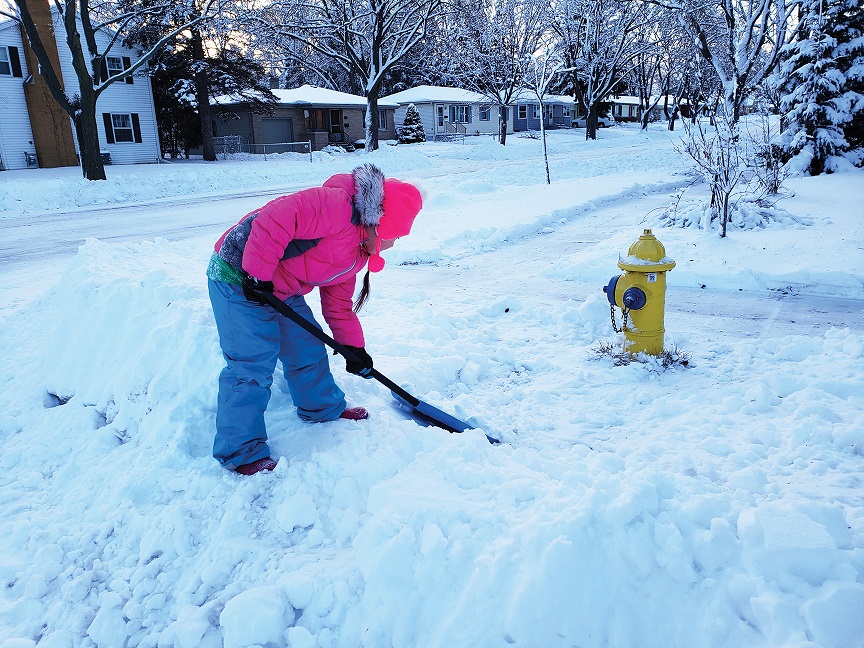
(713, 505)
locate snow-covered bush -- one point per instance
(742, 165)
(744, 214)
(716, 154)
(412, 128)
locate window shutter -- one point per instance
(469, 109)
(136, 128)
(15, 62)
(127, 63)
(452, 113)
(103, 69)
(109, 128)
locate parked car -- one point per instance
(603, 121)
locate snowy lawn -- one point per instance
(715, 504)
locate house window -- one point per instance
(523, 112)
(114, 64)
(460, 114)
(10, 62)
(122, 127)
(566, 111)
(485, 113)
(5, 65)
(382, 119)
(535, 111)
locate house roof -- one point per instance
(635, 101)
(444, 94)
(308, 95)
(528, 96)
(431, 94)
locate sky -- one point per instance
(713, 502)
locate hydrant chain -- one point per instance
(625, 312)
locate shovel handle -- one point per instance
(284, 309)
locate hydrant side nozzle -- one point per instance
(610, 289)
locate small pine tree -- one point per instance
(412, 128)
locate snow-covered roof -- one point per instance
(430, 94)
(309, 95)
(635, 101)
(528, 96)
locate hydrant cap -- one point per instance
(647, 248)
(646, 255)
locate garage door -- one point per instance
(277, 130)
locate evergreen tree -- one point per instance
(412, 128)
(822, 83)
(183, 84)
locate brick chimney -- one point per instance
(51, 125)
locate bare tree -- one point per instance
(600, 35)
(496, 41)
(658, 67)
(88, 59)
(366, 38)
(741, 39)
(543, 70)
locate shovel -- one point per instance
(423, 412)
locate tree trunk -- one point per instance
(591, 122)
(502, 125)
(372, 120)
(88, 137)
(202, 95)
(543, 136)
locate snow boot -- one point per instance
(355, 414)
(266, 464)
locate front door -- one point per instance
(335, 125)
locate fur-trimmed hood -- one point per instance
(369, 199)
(366, 186)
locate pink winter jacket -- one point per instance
(306, 240)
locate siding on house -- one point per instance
(134, 100)
(123, 98)
(16, 138)
(559, 113)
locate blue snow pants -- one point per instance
(252, 338)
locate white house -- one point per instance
(34, 131)
(447, 111)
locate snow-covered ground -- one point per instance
(717, 504)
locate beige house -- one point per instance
(305, 114)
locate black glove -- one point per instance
(252, 289)
(362, 366)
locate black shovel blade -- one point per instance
(430, 415)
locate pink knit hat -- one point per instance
(402, 203)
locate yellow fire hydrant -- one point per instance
(641, 295)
